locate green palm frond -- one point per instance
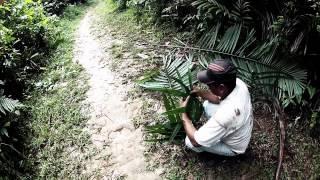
(256, 62)
(241, 10)
(175, 80)
(212, 6)
(171, 130)
(238, 10)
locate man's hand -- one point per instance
(187, 123)
(197, 91)
(184, 103)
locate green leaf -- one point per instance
(176, 111)
(169, 105)
(256, 61)
(4, 131)
(175, 132)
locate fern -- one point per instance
(7, 104)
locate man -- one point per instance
(228, 108)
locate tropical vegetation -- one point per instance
(28, 36)
(175, 81)
(273, 43)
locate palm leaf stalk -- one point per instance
(174, 81)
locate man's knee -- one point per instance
(190, 146)
(188, 143)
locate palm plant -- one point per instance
(257, 62)
(237, 10)
(175, 81)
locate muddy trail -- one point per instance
(119, 145)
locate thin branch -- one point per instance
(280, 116)
(10, 146)
(281, 148)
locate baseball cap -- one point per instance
(220, 71)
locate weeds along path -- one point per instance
(120, 146)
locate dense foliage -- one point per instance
(24, 30)
(27, 36)
(57, 6)
(24, 40)
(175, 81)
(273, 43)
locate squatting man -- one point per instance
(227, 106)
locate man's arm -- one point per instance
(189, 129)
(209, 134)
(207, 95)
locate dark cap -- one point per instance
(220, 71)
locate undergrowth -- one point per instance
(56, 145)
(136, 34)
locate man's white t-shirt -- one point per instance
(230, 122)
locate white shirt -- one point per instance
(229, 122)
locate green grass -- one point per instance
(57, 146)
(124, 25)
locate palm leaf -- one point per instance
(176, 130)
(256, 61)
(238, 11)
(175, 79)
(212, 6)
(172, 130)
(169, 104)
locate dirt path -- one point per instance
(119, 145)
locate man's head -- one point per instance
(220, 77)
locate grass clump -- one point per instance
(56, 145)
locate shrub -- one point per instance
(57, 6)
(24, 39)
(9, 155)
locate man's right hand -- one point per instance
(196, 91)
